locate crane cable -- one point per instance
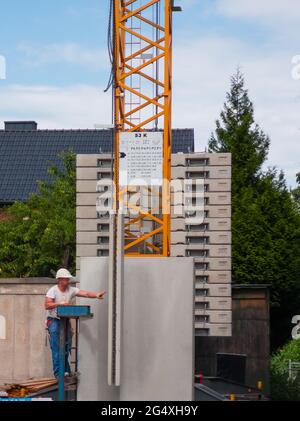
(110, 83)
(110, 46)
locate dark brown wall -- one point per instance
(250, 336)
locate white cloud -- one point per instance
(2, 67)
(70, 53)
(202, 73)
(79, 106)
(268, 10)
(202, 70)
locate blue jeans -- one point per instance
(53, 329)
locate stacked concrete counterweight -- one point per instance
(207, 240)
(92, 225)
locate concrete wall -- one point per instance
(158, 335)
(23, 351)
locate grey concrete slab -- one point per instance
(212, 172)
(158, 337)
(213, 238)
(7, 344)
(23, 352)
(214, 316)
(214, 199)
(213, 224)
(179, 211)
(212, 185)
(215, 303)
(192, 159)
(215, 276)
(21, 336)
(198, 250)
(93, 336)
(91, 160)
(214, 290)
(157, 361)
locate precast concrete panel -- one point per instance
(93, 336)
(157, 361)
(158, 330)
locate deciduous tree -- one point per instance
(40, 235)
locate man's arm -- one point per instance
(50, 303)
(88, 294)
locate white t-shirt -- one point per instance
(58, 296)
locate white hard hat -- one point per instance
(63, 273)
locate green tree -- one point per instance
(296, 192)
(40, 235)
(236, 132)
(265, 221)
(284, 388)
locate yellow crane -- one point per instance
(141, 55)
(140, 48)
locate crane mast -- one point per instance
(142, 70)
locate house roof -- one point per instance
(26, 154)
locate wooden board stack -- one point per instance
(22, 389)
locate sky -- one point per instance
(57, 66)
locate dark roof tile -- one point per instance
(26, 155)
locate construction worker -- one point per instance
(62, 294)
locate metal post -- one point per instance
(76, 353)
(76, 345)
(116, 275)
(62, 358)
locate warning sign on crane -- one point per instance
(141, 159)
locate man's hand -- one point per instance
(64, 303)
(88, 294)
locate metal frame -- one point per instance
(65, 314)
(155, 107)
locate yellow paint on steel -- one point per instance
(159, 107)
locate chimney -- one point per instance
(20, 126)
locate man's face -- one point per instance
(63, 283)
